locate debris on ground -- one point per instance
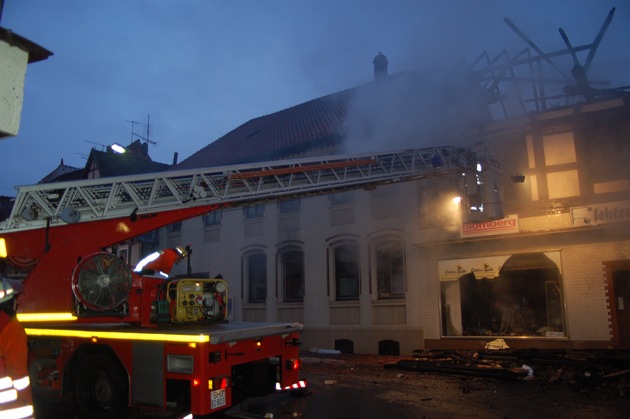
(582, 368)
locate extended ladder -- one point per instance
(47, 205)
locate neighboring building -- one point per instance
(135, 160)
(393, 270)
(16, 52)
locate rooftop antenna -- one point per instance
(133, 124)
(103, 146)
(147, 137)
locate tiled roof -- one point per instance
(61, 173)
(411, 104)
(318, 122)
(113, 164)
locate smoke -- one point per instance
(414, 109)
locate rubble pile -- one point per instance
(583, 369)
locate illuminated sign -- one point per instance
(506, 225)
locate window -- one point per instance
(255, 271)
(345, 264)
(254, 211)
(175, 227)
(289, 206)
(212, 218)
(342, 198)
(292, 274)
(515, 295)
(390, 268)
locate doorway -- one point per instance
(618, 276)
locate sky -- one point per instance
(197, 69)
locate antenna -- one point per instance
(103, 146)
(148, 125)
(147, 137)
(133, 124)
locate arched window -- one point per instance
(255, 272)
(291, 270)
(388, 259)
(345, 270)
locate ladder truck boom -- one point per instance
(90, 319)
(55, 225)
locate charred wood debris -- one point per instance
(583, 369)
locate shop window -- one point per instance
(255, 270)
(388, 258)
(292, 274)
(518, 295)
(345, 265)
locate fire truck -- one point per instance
(106, 339)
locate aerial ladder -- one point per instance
(56, 224)
(75, 289)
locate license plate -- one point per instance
(217, 398)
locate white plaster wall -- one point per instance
(12, 73)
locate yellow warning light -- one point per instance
(3, 248)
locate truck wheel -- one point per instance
(100, 390)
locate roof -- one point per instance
(113, 164)
(396, 111)
(35, 52)
(318, 122)
(61, 173)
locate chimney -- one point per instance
(175, 157)
(380, 66)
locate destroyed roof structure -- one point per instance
(537, 80)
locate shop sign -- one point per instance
(596, 214)
(482, 267)
(506, 225)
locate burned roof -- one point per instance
(400, 110)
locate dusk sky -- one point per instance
(199, 69)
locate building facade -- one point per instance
(394, 269)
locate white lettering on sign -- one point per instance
(505, 225)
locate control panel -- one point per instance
(196, 300)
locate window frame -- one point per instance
(248, 276)
(338, 267)
(297, 296)
(212, 218)
(377, 246)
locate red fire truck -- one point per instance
(105, 338)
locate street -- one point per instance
(356, 387)
(364, 386)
